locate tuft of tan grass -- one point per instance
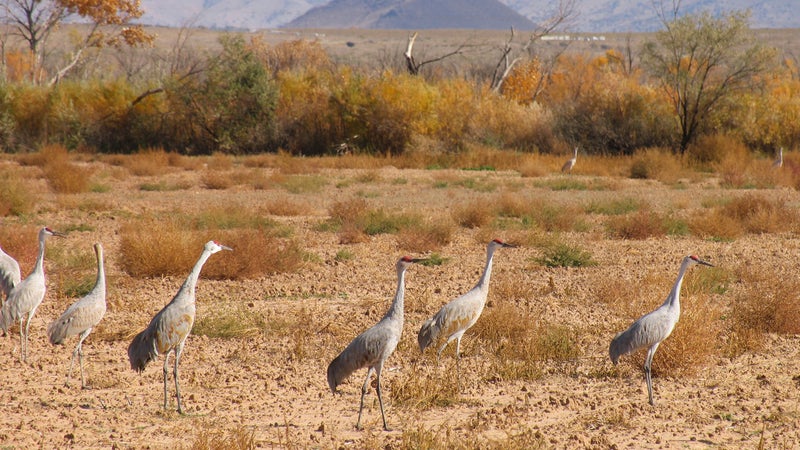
(217, 180)
(642, 224)
(229, 322)
(66, 177)
(656, 164)
(426, 235)
(285, 206)
(472, 214)
(212, 438)
(16, 196)
(423, 387)
(149, 162)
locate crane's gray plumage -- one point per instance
(9, 273)
(570, 162)
(778, 163)
(652, 328)
(169, 328)
(82, 316)
(26, 296)
(461, 313)
(372, 347)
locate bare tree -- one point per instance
(414, 67)
(563, 13)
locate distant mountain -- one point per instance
(594, 15)
(413, 14)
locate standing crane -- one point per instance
(82, 316)
(169, 328)
(567, 167)
(9, 274)
(461, 313)
(652, 328)
(26, 296)
(372, 347)
(778, 163)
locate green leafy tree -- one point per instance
(229, 107)
(700, 61)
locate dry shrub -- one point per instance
(21, 242)
(501, 123)
(656, 164)
(62, 175)
(348, 211)
(256, 253)
(760, 215)
(288, 207)
(716, 225)
(240, 438)
(768, 303)
(426, 235)
(642, 224)
(473, 214)
(713, 149)
(423, 388)
(148, 162)
(520, 345)
(213, 179)
(735, 164)
(155, 247)
(16, 196)
(48, 154)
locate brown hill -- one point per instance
(412, 14)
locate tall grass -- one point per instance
(17, 197)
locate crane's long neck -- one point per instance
(100, 284)
(396, 310)
(191, 281)
(674, 295)
(39, 267)
(575, 153)
(483, 282)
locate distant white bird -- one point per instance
(9, 274)
(567, 167)
(26, 296)
(652, 328)
(778, 163)
(169, 328)
(372, 347)
(82, 316)
(461, 313)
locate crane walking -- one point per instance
(461, 313)
(9, 274)
(652, 328)
(82, 316)
(372, 347)
(169, 328)
(567, 167)
(26, 296)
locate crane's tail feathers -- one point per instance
(427, 334)
(142, 350)
(57, 331)
(339, 369)
(620, 345)
(6, 318)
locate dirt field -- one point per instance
(269, 382)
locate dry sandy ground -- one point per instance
(273, 384)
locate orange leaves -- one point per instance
(111, 13)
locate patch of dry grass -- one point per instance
(642, 224)
(212, 438)
(656, 164)
(426, 235)
(473, 214)
(285, 206)
(17, 197)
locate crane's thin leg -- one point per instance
(363, 392)
(78, 350)
(648, 362)
(166, 364)
(178, 352)
(380, 398)
(22, 357)
(458, 365)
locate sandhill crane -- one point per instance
(778, 163)
(82, 316)
(652, 328)
(26, 296)
(9, 273)
(169, 328)
(372, 347)
(460, 314)
(570, 162)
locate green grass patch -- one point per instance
(563, 255)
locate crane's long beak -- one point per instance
(225, 247)
(509, 245)
(58, 233)
(705, 263)
(418, 260)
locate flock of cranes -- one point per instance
(167, 331)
